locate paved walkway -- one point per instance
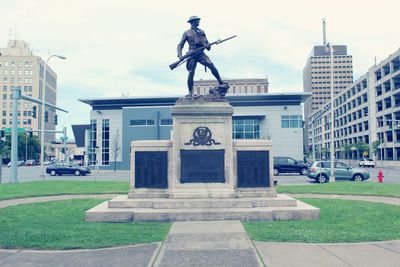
(216, 243)
(207, 243)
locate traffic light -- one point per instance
(46, 116)
(55, 119)
(34, 112)
(30, 134)
(1, 133)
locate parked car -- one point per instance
(366, 163)
(30, 162)
(289, 165)
(61, 168)
(320, 171)
(19, 163)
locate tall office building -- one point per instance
(237, 86)
(19, 67)
(317, 75)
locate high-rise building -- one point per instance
(366, 117)
(237, 86)
(317, 75)
(20, 67)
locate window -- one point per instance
(246, 128)
(291, 121)
(92, 142)
(105, 142)
(141, 122)
(165, 122)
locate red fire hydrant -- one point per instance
(380, 176)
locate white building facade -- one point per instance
(367, 117)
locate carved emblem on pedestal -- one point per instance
(202, 137)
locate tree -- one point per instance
(361, 146)
(29, 146)
(116, 148)
(375, 146)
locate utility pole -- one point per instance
(65, 143)
(16, 94)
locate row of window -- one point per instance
(335, 82)
(336, 67)
(27, 64)
(328, 72)
(335, 56)
(19, 80)
(328, 87)
(19, 72)
(335, 77)
(150, 122)
(335, 61)
(351, 92)
(24, 122)
(26, 88)
(390, 67)
(25, 113)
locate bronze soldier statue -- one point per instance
(196, 38)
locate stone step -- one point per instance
(302, 211)
(166, 203)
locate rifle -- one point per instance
(196, 52)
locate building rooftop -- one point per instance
(268, 99)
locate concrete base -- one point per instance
(124, 209)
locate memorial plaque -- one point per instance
(253, 168)
(151, 169)
(203, 166)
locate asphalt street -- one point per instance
(27, 174)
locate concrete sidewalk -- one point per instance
(208, 243)
(382, 254)
(138, 256)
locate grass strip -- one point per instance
(61, 225)
(341, 221)
(49, 188)
(343, 188)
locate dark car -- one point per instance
(289, 165)
(61, 168)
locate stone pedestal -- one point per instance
(202, 138)
(202, 174)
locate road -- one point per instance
(26, 174)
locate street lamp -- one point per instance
(332, 153)
(43, 112)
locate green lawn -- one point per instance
(341, 221)
(344, 188)
(48, 188)
(61, 225)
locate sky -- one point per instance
(123, 48)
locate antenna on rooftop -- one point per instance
(324, 31)
(10, 32)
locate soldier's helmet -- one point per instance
(192, 18)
